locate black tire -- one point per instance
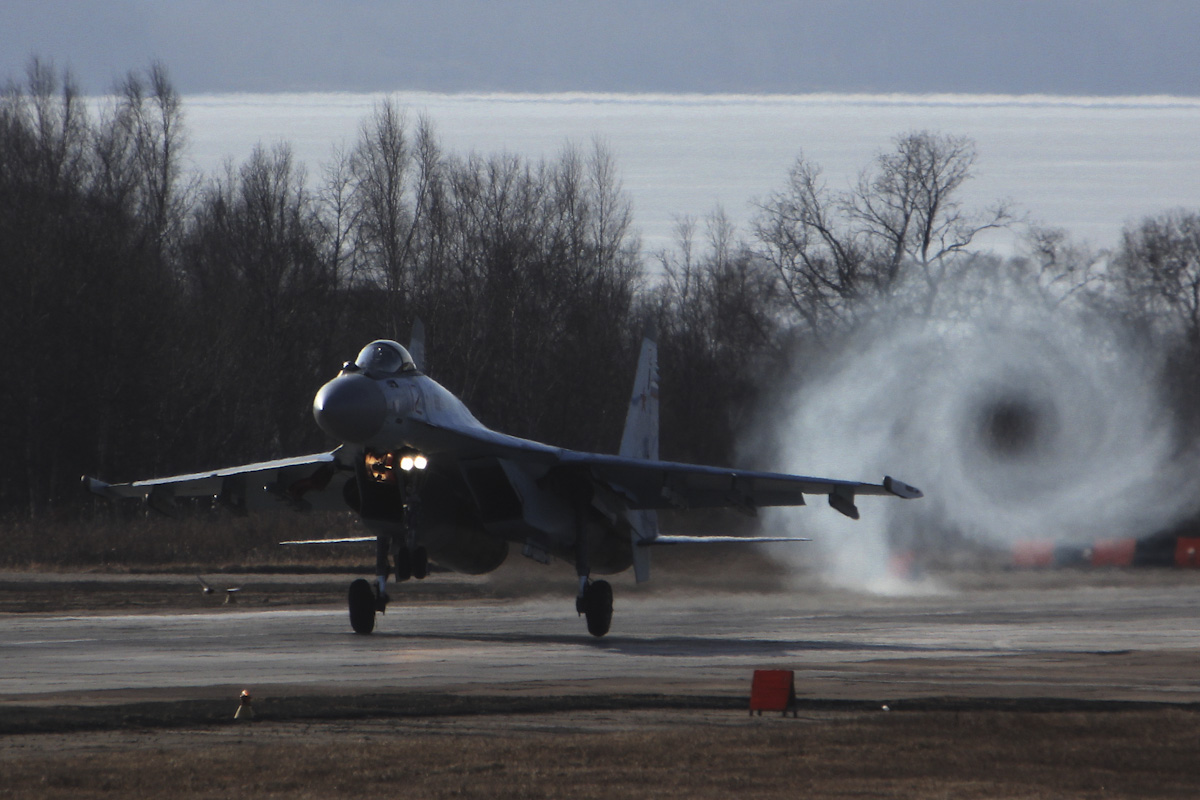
(598, 607)
(362, 606)
(420, 563)
(404, 564)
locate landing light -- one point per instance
(407, 463)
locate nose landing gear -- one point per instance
(365, 598)
(383, 493)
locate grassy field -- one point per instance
(116, 539)
(112, 540)
(695, 754)
(527, 748)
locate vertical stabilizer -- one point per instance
(416, 344)
(640, 440)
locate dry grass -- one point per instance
(113, 541)
(700, 755)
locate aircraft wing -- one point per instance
(651, 485)
(304, 482)
(667, 485)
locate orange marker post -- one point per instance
(1187, 552)
(1113, 553)
(1033, 555)
(773, 690)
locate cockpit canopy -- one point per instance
(384, 357)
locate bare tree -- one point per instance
(1156, 276)
(717, 316)
(430, 209)
(908, 208)
(1158, 263)
(150, 118)
(1060, 268)
(260, 290)
(339, 214)
(381, 166)
(85, 287)
(902, 222)
(818, 257)
(49, 110)
(44, 171)
(612, 211)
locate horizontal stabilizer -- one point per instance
(347, 540)
(717, 540)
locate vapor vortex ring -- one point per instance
(1037, 425)
(1032, 426)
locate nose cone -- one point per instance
(350, 408)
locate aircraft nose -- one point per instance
(350, 408)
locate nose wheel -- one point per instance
(596, 604)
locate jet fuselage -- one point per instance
(470, 507)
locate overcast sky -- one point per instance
(1098, 47)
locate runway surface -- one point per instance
(1130, 637)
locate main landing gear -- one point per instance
(595, 598)
(365, 598)
(595, 601)
(412, 563)
(362, 606)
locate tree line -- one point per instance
(155, 321)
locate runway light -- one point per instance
(406, 463)
(420, 462)
(245, 711)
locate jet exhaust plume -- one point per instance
(1028, 417)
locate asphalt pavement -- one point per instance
(1133, 639)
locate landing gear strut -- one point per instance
(595, 598)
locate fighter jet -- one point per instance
(434, 485)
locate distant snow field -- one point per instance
(1089, 165)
